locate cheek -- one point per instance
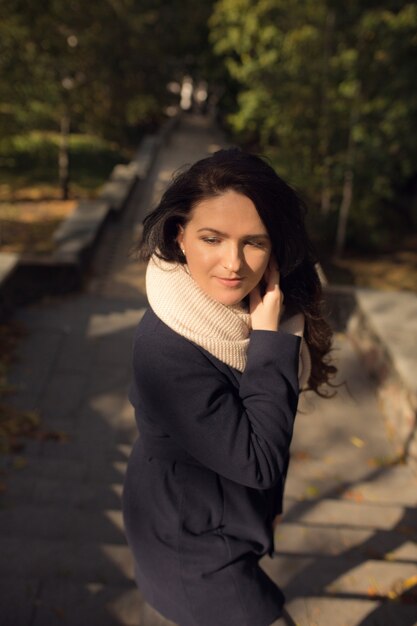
(200, 259)
(259, 263)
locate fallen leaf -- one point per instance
(357, 441)
(404, 591)
(52, 435)
(59, 612)
(356, 496)
(373, 591)
(409, 582)
(19, 463)
(312, 491)
(301, 455)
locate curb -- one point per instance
(27, 277)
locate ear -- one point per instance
(180, 235)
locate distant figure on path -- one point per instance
(234, 332)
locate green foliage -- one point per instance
(105, 63)
(31, 158)
(104, 66)
(324, 87)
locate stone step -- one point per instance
(43, 491)
(51, 602)
(337, 576)
(87, 471)
(56, 523)
(336, 513)
(396, 546)
(357, 610)
(78, 561)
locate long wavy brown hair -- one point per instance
(283, 213)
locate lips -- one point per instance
(230, 282)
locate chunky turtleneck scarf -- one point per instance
(222, 330)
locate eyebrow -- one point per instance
(219, 232)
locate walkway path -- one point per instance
(348, 536)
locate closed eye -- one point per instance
(211, 240)
(252, 242)
(256, 244)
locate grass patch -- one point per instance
(31, 161)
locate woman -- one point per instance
(233, 332)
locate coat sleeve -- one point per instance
(241, 434)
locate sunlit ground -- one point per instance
(28, 225)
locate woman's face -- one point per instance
(226, 245)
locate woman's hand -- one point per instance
(265, 311)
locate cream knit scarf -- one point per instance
(222, 330)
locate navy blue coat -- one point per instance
(206, 476)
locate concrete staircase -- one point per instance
(348, 536)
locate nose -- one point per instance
(232, 259)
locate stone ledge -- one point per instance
(383, 327)
(340, 303)
(393, 317)
(80, 228)
(144, 157)
(116, 193)
(126, 173)
(8, 261)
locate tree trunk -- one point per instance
(344, 211)
(326, 196)
(63, 157)
(324, 125)
(347, 193)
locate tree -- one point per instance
(99, 67)
(327, 92)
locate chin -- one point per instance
(229, 299)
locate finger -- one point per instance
(273, 276)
